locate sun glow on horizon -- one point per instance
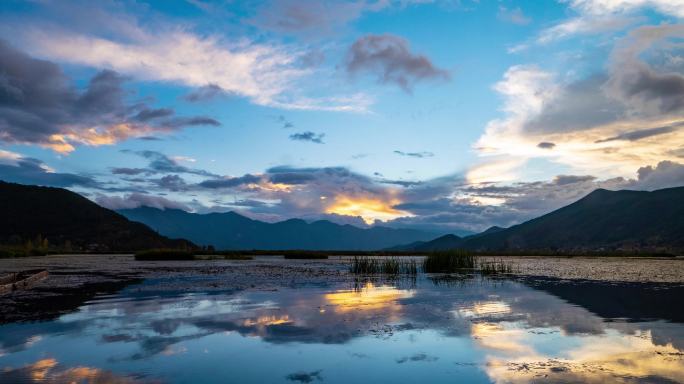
(369, 209)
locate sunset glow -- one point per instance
(369, 209)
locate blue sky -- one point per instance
(447, 116)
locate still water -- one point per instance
(466, 330)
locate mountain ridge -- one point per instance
(62, 217)
(231, 230)
(623, 220)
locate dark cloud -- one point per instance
(172, 183)
(160, 163)
(129, 171)
(578, 106)
(308, 136)
(205, 93)
(570, 179)
(417, 357)
(643, 88)
(230, 182)
(419, 155)
(179, 122)
(150, 114)
(546, 145)
(305, 377)
(643, 133)
(403, 183)
(38, 105)
(391, 60)
(285, 122)
(290, 178)
(27, 170)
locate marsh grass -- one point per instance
(449, 261)
(364, 265)
(495, 267)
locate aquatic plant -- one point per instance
(363, 265)
(495, 267)
(449, 261)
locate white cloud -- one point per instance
(607, 7)
(266, 74)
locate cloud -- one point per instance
(129, 171)
(316, 19)
(513, 15)
(230, 182)
(307, 16)
(204, 93)
(665, 174)
(643, 133)
(135, 200)
(39, 106)
(418, 155)
(638, 85)
(612, 7)
(599, 16)
(305, 377)
(266, 74)
(160, 163)
(308, 136)
(25, 170)
(607, 123)
(390, 59)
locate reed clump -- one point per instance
(495, 267)
(363, 265)
(449, 261)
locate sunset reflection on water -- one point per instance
(478, 331)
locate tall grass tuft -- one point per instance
(495, 267)
(363, 265)
(449, 261)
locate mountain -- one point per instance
(232, 231)
(441, 243)
(60, 215)
(602, 220)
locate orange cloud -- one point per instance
(368, 208)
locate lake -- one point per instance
(468, 329)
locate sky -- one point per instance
(446, 116)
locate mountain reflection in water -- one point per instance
(474, 330)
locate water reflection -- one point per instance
(476, 330)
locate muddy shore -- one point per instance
(75, 279)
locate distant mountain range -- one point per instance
(602, 220)
(62, 216)
(233, 231)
